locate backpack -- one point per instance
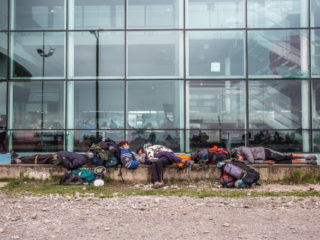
(70, 179)
(242, 171)
(105, 154)
(216, 154)
(86, 175)
(98, 151)
(226, 181)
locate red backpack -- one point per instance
(216, 154)
(226, 181)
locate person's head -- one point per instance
(89, 155)
(124, 145)
(140, 150)
(235, 153)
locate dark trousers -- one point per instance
(41, 159)
(157, 169)
(278, 157)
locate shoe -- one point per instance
(311, 161)
(157, 185)
(14, 155)
(312, 157)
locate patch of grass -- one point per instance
(20, 188)
(297, 178)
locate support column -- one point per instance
(10, 116)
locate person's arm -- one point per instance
(247, 154)
(269, 162)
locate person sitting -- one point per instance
(69, 160)
(261, 155)
(126, 156)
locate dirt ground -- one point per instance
(154, 217)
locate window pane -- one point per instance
(38, 105)
(315, 52)
(109, 109)
(315, 17)
(215, 14)
(278, 104)
(172, 139)
(83, 140)
(316, 141)
(38, 14)
(155, 54)
(278, 53)
(204, 139)
(216, 54)
(3, 105)
(37, 140)
(217, 105)
(96, 14)
(277, 13)
(283, 141)
(156, 104)
(3, 55)
(155, 13)
(96, 53)
(38, 54)
(3, 14)
(315, 104)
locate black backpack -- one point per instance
(250, 176)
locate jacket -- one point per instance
(171, 156)
(71, 160)
(154, 149)
(142, 158)
(253, 155)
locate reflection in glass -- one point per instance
(3, 55)
(3, 14)
(314, 11)
(107, 113)
(155, 54)
(277, 13)
(38, 105)
(215, 14)
(83, 140)
(316, 141)
(278, 53)
(38, 14)
(172, 139)
(278, 104)
(315, 103)
(204, 139)
(96, 14)
(155, 13)
(217, 105)
(38, 55)
(3, 105)
(216, 54)
(282, 141)
(315, 53)
(155, 104)
(95, 54)
(37, 140)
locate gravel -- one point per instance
(156, 217)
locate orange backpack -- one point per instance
(184, 158)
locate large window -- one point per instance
(3, 14)
(38, 55)
(155, 54)
(155, 104)
(3, 55)
(281, 104)
(215, 13)
(38, 105)
(315, 53)
(217, 104)
(96, 54)
(277, 13)
(38, 14)
(97, 105)
(3, 116)
(278, 53)
(96, 14)
(155, 13)
(315, 96)
(314, 11)
(216, 54)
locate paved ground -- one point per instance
(153, 217)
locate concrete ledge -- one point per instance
(143, 173)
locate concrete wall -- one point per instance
(143, 173)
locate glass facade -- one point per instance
(187, 74)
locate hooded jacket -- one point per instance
(71, 160)
(252, 155)
(154, 149)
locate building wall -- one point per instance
(188, 74)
